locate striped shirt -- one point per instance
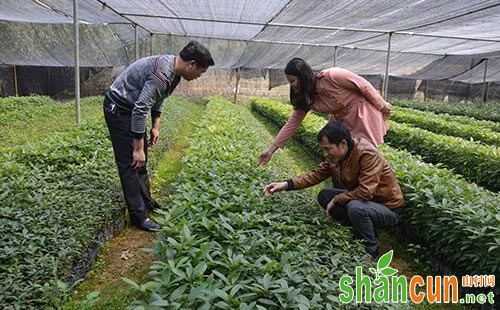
(143, 86)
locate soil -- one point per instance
(122, 256)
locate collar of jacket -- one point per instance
(348, 156)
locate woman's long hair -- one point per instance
(304, 97)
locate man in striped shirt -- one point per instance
(142, 88)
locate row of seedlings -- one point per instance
(458, 221)
(223, 245)
(476, 162)
(57, 194)
(483, 111)
(475, 130)
(60, 198)
(28, 119)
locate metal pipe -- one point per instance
(287, 25)
(136, 42)
(335, 56)
(151, 46)
(426, 89)
(484, 93)
(386, 78)
(77, 61)
(171, 45)
(409, 33)
(306, 44)
(254, 23)
(16, 89)
(237, 85)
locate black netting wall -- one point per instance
(7, 87)
(375, 79)
(446, 90)
(493, 91)
(58, 82)
(401, 88)
(458, 91)
(45, 80)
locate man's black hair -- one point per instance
(197, 52)
(335, 132)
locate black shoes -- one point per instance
(374, 255)
(152, 205)
(149, 225)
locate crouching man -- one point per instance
(372, 198)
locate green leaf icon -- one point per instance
(384, 260)
(388, 271)
(373, 270)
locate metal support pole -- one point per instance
(151, 46)
(16, 89)
(237, 86)
(171, 45)
(484, 93)
(77, 61)
(426, 89)
(386, 77)
(136, 42)
(335, 56)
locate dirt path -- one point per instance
(122, 256)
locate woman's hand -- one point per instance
(274, 188)
(386, 111)
(266, 155)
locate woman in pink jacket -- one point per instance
(335, 91)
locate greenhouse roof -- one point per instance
(456, 35)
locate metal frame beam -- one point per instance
(77, 61)
(484, 92)
(301, 26)
(387, 63)
(298, 43)
(136, 42)
(16, 88)
(335, 56)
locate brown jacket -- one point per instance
(364, 172)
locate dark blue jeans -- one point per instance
(365, 217)
(135, 183)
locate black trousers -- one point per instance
(365, 217)
(135, 183)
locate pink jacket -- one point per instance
(347, 96)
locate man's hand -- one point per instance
(275, 187)
(329, 207)
(154, 137)
(266, 155)
(138, 155)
